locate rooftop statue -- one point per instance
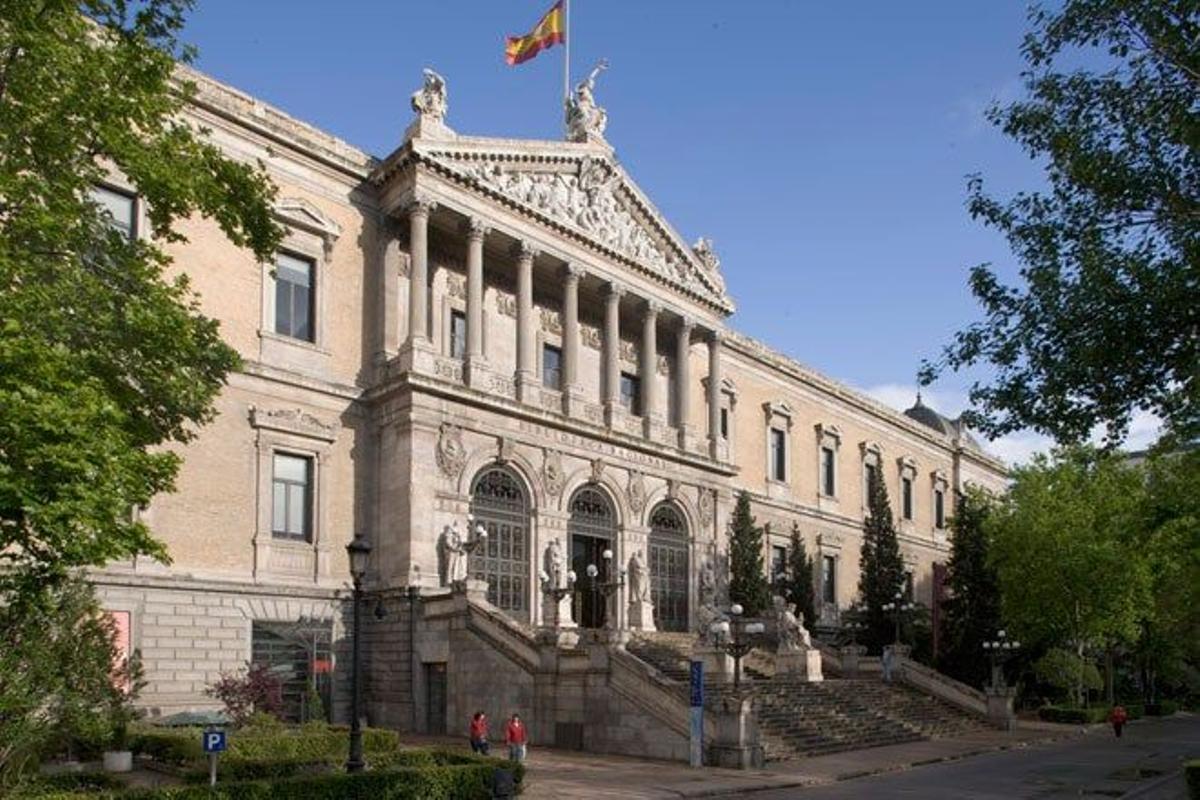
(430, 100)
(586, 120)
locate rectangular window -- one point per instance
(939, 508)
(294, 297)
(551, 367)
(291, 497)
(827, 472)
(631, 393)
(829, 579)
(118, 207)
(778, 562)
(906, 497)
(725, 423)
(458, 334)
(778, 455)
(300, 655)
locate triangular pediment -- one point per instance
(300, 213)
(585, 190)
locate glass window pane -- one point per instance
(118, 206)
(279, 507)
(293, 270)
(283, 308)
(291, 468)
(297, 496)
(302, 313)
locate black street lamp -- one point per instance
(998, 651)
(359, 550)
(606, 587)
(738, 645)
(898, 608)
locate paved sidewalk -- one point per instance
(567, 774)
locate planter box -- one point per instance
(118, 761)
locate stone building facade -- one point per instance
(499, 330)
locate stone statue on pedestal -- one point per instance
(552, 563)
(452, 556)
(641, 608)
(789, 626)
(586, 120)
(430, 102)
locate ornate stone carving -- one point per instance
(451, 452)
(598, 466)
(708, 507)
(553, 476)
(449, 369)
(551, 321)
(591, 336)
(456, 286)
(637, 492)
(452, 556)
(628, 352)
(664, 365)
(506, 304)
(789, 626)
(430, 101)
(703, 248)
(292, 420)
(586, 121)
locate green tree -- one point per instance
(972, 610)
(881, 573)
(798, 586)
(1104, 320)
(1068, 549)
(748, 583)
(105, 360)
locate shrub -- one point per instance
(1163, 708)
(1191, 770)
(309, 744)
(258, 691)
(1073, 716)
(67, 783)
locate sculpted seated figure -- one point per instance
(790, 626)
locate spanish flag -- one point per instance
(549, 31)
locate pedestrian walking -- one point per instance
(479, 733)
(516, 736)
(1118, 717)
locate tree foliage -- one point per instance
(1106, 319)
(798, 585)
(104, 358)
(1067, 544)
(881, 567)
(972, 610)
(748, 583)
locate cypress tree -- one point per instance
(881, 567)
(799, 587)
(972, 612)
(748, 584)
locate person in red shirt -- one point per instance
(479, 733)
(516, 736)
(1118, 717)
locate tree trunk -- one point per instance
(1108, 675)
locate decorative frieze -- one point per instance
(551, 321)
(293, 420)
(591, 336)
(506, 304)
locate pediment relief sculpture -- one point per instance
(293, 420)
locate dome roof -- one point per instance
(954, 428)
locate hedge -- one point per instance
(1163, 708)
(461, 782)
(183, 748)
(1073, 716)
(68, 783)
(1191, 770)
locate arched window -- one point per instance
(499, 503)
(592, 529)
(668, 563)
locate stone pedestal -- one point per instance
(718, 665)
(1000, 706)
(641, 615)
(417, 355)
(558, 636)
(850, 655)
(803, 665)
(477, 374)
(735, 739)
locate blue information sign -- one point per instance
(214, 741)
(697, 684)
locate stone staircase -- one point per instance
(797, 719)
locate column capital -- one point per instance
(420, 205)
(686, 325)
(714, 336)
(525, 250)
(615, 290)
(653, 307)
(476, 228)
(573, 272)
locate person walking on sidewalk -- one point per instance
(479, 733)
(1118, 717)
(516, 736)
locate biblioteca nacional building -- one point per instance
(503, 335)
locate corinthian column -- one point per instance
(572, 393)
(683, 381)
(526, 377)
(714, 394)
(649, 369)
(418, 286)
(476, 366)
(612, 353)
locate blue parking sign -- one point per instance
(697, 684)
(214, 741)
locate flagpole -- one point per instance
(566, 52)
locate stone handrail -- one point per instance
(954, 692)
(502, 633)
(645, 687)
(831, 661)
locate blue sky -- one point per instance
(824, 147)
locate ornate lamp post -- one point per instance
(998, 651)
(739, 644)
(557, 593)
(358, 550)
(898, 607)
(854, 628)
(607, 587)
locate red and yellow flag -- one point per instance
(549, 31)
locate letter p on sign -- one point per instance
(214, 741)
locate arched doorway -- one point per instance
(499, 503)
(592, 529)
(668, 562)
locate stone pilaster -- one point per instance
(683, 382)
(714, 395)
(572, 392)
(651, 417)
(612, 353)
(476, 371)
(526, 376)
